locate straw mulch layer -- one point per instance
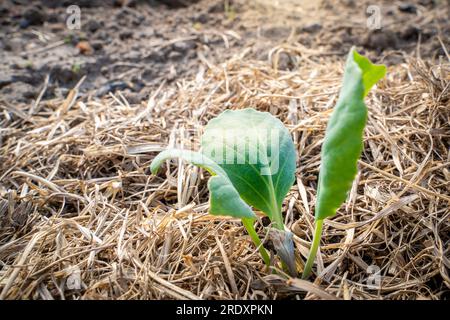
(82, 218)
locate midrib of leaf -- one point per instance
(276, 211)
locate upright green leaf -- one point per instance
(257, 153)
(343, 139)
(371, 73)
(224, 199)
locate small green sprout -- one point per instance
(76, 68)
(343, 143)
(230, 11)
(251, 158)
(68, 39)
(29, 64)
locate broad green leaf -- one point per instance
(257, 153)
(224, 199)
(343, 142)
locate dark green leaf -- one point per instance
(256, 151)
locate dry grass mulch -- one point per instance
(78, 200)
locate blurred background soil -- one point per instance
(136, 46)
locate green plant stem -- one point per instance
(313, 250)
(248, 224)
(278, 219)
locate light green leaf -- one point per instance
(343, 139)
(371, 73)
(224, 198)
(257, 153)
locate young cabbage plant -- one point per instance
(251, 158)
(343, 143)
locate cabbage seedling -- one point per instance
(251, 158)
(343, 143)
